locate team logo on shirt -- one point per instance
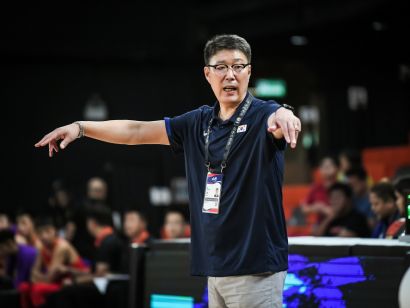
(241, 128)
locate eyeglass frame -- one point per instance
(228, 67)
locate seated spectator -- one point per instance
(383, 202)
(61, 208)
(97, 190)
(357, 179)
(26, 233)
(4, 221)
(401, 189)
(135, 227)
(56, 260)
(17, 260)
(317, 200)
(96, 195)
(342, 219)
(348, 159)
(109, 259)
(174, 225)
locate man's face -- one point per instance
(174, 225)
(47, 235)
(358, 186)
(133, 225)
(4, 222)
(97, 189)
(379, 207)
(25, 225)
(229, 88)
(328, 169)
(338, 201)
(91, 226)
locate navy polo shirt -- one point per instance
(248, 236)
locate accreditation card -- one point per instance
(213, 190)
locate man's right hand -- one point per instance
(66, 133)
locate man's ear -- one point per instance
(206, 73)
(249, 70)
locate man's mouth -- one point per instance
(229, 89)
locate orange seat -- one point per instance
(293, 195)
(384, 162)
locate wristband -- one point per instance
(81, 131)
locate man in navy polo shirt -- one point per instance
(234, 157)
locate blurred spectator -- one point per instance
(109, 259)
(383, 202)
(343, 219)
(17, 260)
(57, 256)
(56, 260)
(26, 233)
(401, 190)
(96, 194)
(357, 179)
(61, 208)
(5, 222)
(348, 159)
(317, 200)
(135, 227)
(97, 190)
(108, 256)
(174, 225)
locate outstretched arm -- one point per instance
(115, 131)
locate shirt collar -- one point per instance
(106, 231)
(215, 112)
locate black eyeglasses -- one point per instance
(222, 69)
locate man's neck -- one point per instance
(227, 109)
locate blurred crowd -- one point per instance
(70, 244)
(50, 260)
(346, 202)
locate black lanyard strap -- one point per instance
(228, 146)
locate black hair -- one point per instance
(101, 214)
(353, 156)
(226, 42)
(384, 191)
(402, 185)
(344, 188)
(44, 221)
(6, 235)
(359, 172)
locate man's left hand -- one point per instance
(290, 125)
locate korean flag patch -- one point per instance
(241, 128)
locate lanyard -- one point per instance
(228, 146)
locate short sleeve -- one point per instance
(178, 129)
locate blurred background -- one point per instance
(344, 65)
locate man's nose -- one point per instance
(230, 74)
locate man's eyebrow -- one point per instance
(224, 62)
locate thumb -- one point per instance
(272, 128)
(65, 142)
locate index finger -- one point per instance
(47, 139)
(285, 131)
(292, 134)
